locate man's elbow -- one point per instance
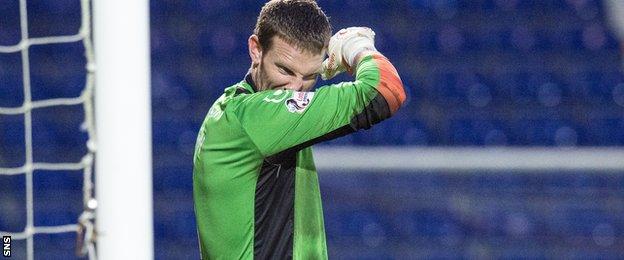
(391, 87)
(399, 92)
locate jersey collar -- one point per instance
(250, 86)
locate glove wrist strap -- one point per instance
(353, 47)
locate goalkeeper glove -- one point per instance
(344, 46)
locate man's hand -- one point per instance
(343, 49)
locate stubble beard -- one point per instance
(259, 77)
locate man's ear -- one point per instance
(255, 51)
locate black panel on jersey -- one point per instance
(274, 208)
(241, 90)
(275, 189)
(376, 111)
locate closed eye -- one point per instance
(312, 77)
(285, 70)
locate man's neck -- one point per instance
(251, 77)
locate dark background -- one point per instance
(478, 73)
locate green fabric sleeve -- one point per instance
(276, 120)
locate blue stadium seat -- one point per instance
(365, 224)
(49, 217)
(606, 131)
(433, 224)
(12, 130)
(11, 92)
(176, 179)
(479, 132)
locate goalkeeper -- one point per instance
(255, 186)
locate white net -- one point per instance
(84, 226)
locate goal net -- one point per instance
(84, 222)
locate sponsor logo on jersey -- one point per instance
(299, 101)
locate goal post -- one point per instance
(123, 121)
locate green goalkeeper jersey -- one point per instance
(255, 186)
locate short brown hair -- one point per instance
(298, 22)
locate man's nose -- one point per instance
(296, 84)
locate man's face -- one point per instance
(284, 66)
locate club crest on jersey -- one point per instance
(299, 101)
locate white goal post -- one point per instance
(123, 122)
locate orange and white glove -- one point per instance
(344, 46)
